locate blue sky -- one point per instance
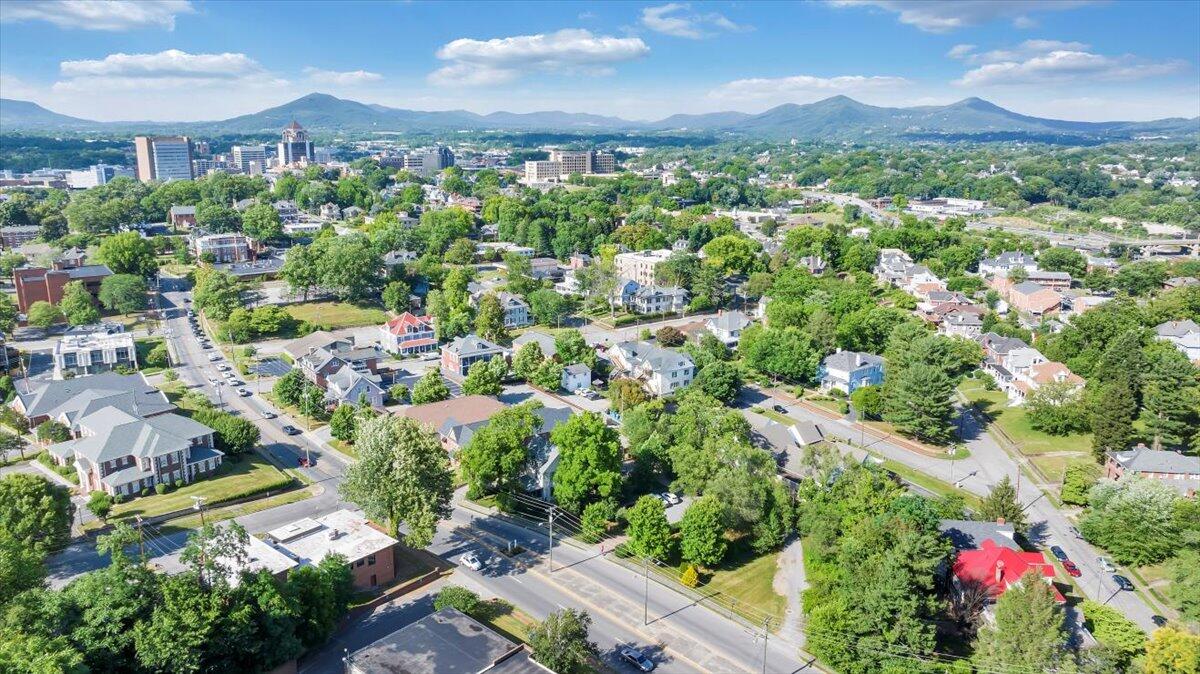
(181, 60)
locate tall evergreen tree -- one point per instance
(1112, 418)
(1004, 502)
(919, 403)
(1170, 396)
(1027, 633)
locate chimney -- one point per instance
(999, 570)
(999, 520)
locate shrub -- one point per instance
(689, 577)
(145, 491)
(179, 484)
(160, 488)
(398, 393)
(458, 597)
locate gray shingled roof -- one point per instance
(545, 341)
(128, 392)
(1176, 328)
(851, 360)
(969, 534)
(656, 357)
(1142, 459)
(729, 321)
(471, 345)
(1028, 287)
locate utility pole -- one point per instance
(551, 539)
(141, 539)
(766, 633)
(198, 504)
(646, 591)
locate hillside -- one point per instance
(836, 118)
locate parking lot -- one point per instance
(271, 367)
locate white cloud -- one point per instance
(960, 51)
(944, 16)
(1027, 49)
(346, 78)
(676, 18)
(164, 70)
(1049, 62)
(109, 15)
(803, 88)
(500, 60)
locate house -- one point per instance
(445, 641)
(349, 386)
(544, 341)
(13, 236)
(786, 442)
(997, 567)
(68, 400)
(449, 418)
(39, 284)
(815, 264)
(223, 248)
(997, 348)
(662, 371)
(1034, 299)
(1174, 468)
(657, 300)
(1185, 335)
(122, 453)
(330, 211)
(893, 266)
(352, 212)
(1180, 282)
(538, 477)
(393, 258)
(640, 266)
(544, 267)
(569, 285)
(408, 334)
(921, 282)
(576, 376)
(1003, 264)
(958, 323)
(1059, 281)
(516, 310)
(321, 339)
(92, 349)
(970, 534)
(846, 371)
(320, 363)
(369, 552)
(462, 352)
(727, 326)
(182, 216)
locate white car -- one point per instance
(1107, 565)
(214, 357)
(243, 393)
(669, 498)
(223, 367)
(471, 561)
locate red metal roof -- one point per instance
(997, 568)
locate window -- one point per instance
(371, 561)
(360, 562)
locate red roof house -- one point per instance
(997, 568)
(408, 334)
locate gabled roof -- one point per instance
(1177, 328)
(464, 410)
(657, 358)
(970, 534)
(127, 392)
(397, 325)
(851, 360)
(1029, 288)
(1142, 459)
(321, 339)
(470, 345)
(543, 340)
(998, 568)
(115, 434)
(729, 321)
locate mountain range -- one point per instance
(836, 118)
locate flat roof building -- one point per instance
(367, 549)
(163, 158)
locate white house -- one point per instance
(1006, 262)
(727, 326)
(93, 349)
(662, 371)
(575, 377)
(408, 334)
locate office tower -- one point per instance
(243, 155)
(429, 161)
(163, 158)
(295, 146)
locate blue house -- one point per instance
(848, 370)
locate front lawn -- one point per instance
(234, 479)
(143, 347)
(335, 315)
(1015, 423)
(748, 579)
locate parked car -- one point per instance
(670, 499)
(243, 392)
(1058, 552)
(779, 408)
(291, 430)
(214, 357)
(636, 658)
(205, 345)
(1107, 565)
(1158, 620)
(223, 367)
(1072, 569)
(269, 415)
(1122, 582)
(471, 561)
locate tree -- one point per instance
(1172, 650)
(350, 267)
(527, 360)
(485, 377)
(302, 270)
(456, 596)
(289, 388)
(261, 222)
(402, 476)
(1112, 419)
(721, 380)
(918, 403)
(21, 568)
(462, 251)
(43, 315)
(100, 504)
(1133, 519)
(430, 388)
(1111, 629)
(217, 293)
(35, 512)
(8, 314)
(1002, 502)
(216, 553)
(1170, 396)
(1056, 408)
(489, 319)
(669, 336)
(589, 466)
(234, 435)
(497, 455)
(868, 401)
(572, 348)
(649, 532)
(1027, 632)
(1063, 259)
(128, 253)
(77, 305)
(560, 642)
(1078, 481)
(624, 394)
(1184, 571)
(125, 293)
(702, 532)
(396, 296)
(341, 423)
(549, 307)
(595, 519)
(548, 376)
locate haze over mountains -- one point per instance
(836, 118)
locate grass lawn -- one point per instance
(232, 480)
(343, 447)
(334, 315)
(220, 514)
(748, 578)
(931, 483)
(825, 402)
(293, 412)
(1014, 422)
(143, 347)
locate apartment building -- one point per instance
(18, 235)
(251, 159)
(223, 248)
(163, 158)
(661, 371)
(408, 334)
(542, 171)
(464, 352)
(92, 349)
(639, 266)
(654, 299)
(38, 284)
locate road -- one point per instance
(843, 199)
(987, 465)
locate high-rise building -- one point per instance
(295, 146)
(542, 171)
(584, 161)
(163, 158)
(201, 167)
(429, 161)
(97, 175)
(244, 155)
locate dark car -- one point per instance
(1072, 569)
(636, 658)
(779, 408)
(291, 430)
(1123, 582)
(1058, 552)
(1158, 620)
